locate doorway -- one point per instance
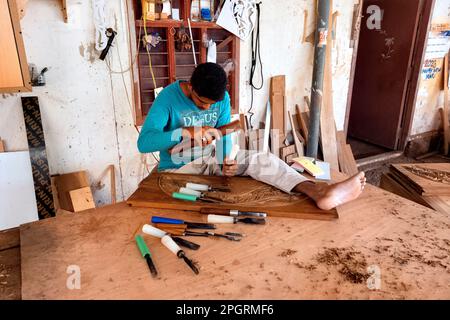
(385, 74)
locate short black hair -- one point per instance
(209, 80)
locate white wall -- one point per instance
(282, 52)
(430, 94)
(86, 115)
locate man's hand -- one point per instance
(202, 135)
(230, 167)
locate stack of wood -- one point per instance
(426, 183)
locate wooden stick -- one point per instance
(113, 183)
(305, 21)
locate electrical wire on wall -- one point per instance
(256, 56)
(121, 72)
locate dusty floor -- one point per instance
(375, 171)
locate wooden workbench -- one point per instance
(285, 259)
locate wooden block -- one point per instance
(285, 151)
(82, 199)
(67, 182)
(290, 158)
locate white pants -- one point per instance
(260, 166)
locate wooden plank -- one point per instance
(422, 185)
(67, 182)
(113, 183)
(247, 194)
(298, 139)
(390, 183)
(347, 161)
(378, 228)
(81, 199)
(438, 203)
(2, 146)
(9, 238)
(277, 105)
(303, 122)
(327, 124)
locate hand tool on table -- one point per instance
(181, 230)
(198, 194)
(224, 219)
(232, 212)
(189, 197)
(146, 254)
(190, 143)
(168, 242)
(190, 225)
(151, 230)
(207, 188)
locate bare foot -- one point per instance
(328, 197)
(342, 192)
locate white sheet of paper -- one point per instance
(17, 198)
(240, 22)
(325, 166)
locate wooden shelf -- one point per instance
(177, 23)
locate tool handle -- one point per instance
(183, 196)
(151, 230)
(186, 243)
(156, 219)
(191, 192)
(142, 245)
(197, 186)
(168, 242)
(224, 212)
(213, 218)
(224, 130)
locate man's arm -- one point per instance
(153, 137)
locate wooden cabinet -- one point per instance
(14, 74)
(168, 61)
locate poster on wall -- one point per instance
(238, 17)
(438, 41)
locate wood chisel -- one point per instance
(168, 242)
(189, 197)
(224, 219)
(207, 188)
(146, 254)
(232, 212)
(190, 143)
(150, 230)
(190, 225)
(181, 230)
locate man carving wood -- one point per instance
(193, 110)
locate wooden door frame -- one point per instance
(410, 94)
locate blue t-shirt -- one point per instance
(170, 112)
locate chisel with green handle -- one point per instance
(146, 254)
